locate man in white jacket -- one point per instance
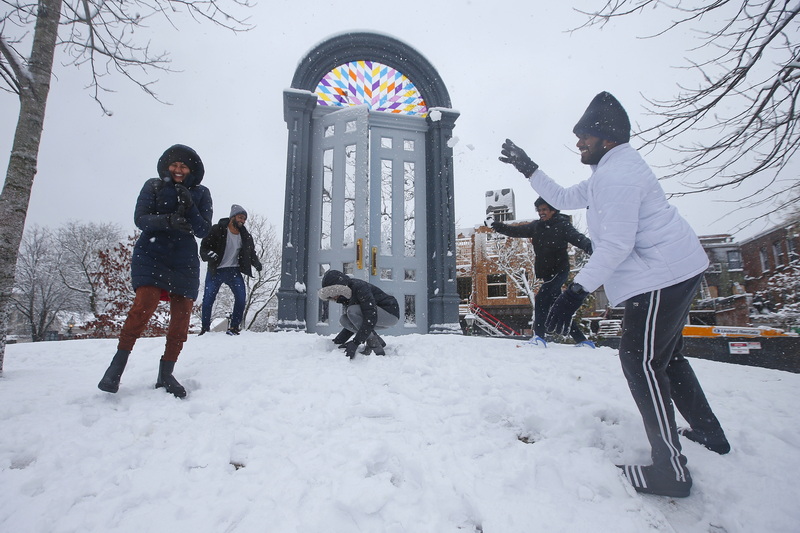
(647, 256)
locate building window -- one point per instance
(464, 287)
(734, 260)
(502, 214)
(762, 254)
(792, 250)
(496, 286)
(777, 251)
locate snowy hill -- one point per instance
(281, 433)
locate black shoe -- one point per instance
(716, 443)
(168, 381)
(203, 330)
(232, 331)
(659, 481)
(110, 381)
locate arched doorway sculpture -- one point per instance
(369, 183)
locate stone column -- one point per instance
(297, 108)
(441, 232)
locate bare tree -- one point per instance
(515, 258)
(81, 244)
(95, 33)
(263, 286)
(740, 122)
(39, 294)
(115, 294)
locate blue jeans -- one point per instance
(548, 292)
(231, 277)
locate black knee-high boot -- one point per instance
(168, 381)
(110, 381)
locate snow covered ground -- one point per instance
(281, 433)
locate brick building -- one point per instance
(482, 282)
(769, 253)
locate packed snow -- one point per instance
(282, 433)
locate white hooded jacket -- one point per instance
(641, 243)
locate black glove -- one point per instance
(516, 156)
(350, 349)
(212, 256)
(179, 223)
(559, 319)
(259, 267)
(497, 226)
(342, 337)
(185, 201)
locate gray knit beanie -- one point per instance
(236, 209)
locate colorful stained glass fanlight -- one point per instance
(380, 87)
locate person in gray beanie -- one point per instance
(230, 252)
(649, 260)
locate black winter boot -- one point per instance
(375, 343)
(110, 381)
(168, 381)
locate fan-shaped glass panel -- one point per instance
(380, 87)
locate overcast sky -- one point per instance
(511, 67)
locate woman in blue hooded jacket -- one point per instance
(172, 211)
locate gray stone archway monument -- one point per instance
(369, 183)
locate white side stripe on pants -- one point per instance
(659, 407)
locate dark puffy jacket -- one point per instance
(549, 239)
(367, 296)
(165, 257)
(217, 240)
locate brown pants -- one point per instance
(144, 305)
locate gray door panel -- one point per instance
(367, 218)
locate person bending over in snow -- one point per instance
(647, 256)
(366, 308)
(550, 236)
(171, 211)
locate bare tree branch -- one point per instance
(739, 124)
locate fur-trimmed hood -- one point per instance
(333, 292)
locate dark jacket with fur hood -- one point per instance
(165, 257)
(216, 241)
(550, 239)
(366, 295)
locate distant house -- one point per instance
(725, 274)
(482, 282)
(769, 253)
(772, 276)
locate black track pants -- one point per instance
(657, 372)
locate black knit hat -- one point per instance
(185, 155)
(605, 118)
(541, 201)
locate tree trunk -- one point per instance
(14, 200)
